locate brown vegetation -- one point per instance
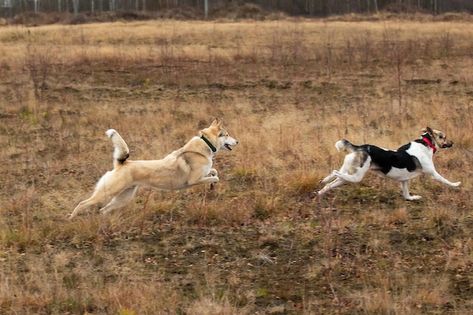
(258, 243)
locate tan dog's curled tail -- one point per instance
(344, 146)
(121, 151)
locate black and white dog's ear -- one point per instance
(428, 130)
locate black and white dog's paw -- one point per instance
(414, 197)
(337, 173)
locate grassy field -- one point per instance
(260, 243)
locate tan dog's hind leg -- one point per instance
(120, 200)
(108, 186)
(96, 198)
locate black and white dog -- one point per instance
(407, 162)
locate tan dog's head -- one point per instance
(218, 136)
(438, 137)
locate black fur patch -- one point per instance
(421, 141)
(385, 160)
(122, 160)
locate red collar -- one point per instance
(429, 144)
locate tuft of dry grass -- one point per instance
(259, 242)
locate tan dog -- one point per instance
(188, 166)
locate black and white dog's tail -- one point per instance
(345, 146)
(121, 151)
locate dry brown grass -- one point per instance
(258, 243)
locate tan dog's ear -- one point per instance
(214, 123)
(217, 123)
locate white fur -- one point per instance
(339, 145)
(121, 150)
(402, 174)
(110, 132)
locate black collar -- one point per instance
(211, 146)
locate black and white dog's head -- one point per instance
(439, 138)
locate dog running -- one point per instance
(188, 166)
(407, 162)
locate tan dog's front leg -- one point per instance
(195, 178)
(203, 180)
(213, 172)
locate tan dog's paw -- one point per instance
(213, 172)
(212, 184)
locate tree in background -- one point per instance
(291, 7)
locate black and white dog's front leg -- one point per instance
(441, 179)
(405, 191)
(435, 175)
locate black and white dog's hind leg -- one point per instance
(354, 168)
(333, 184)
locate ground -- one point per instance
(260, 243)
